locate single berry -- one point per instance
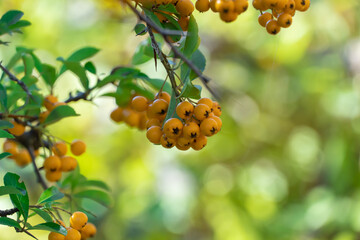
(154, 134)
(68, 163)
(191, 130)
(208, 127)
(199, 143)
(56, 236)
(52, 163)
(53, 176)
(184, 110)
(59, 149)
(167, 142)
(272, 27)
(72, 234)
(77, 147)
(139, 103)
(88, 231)
(201, 111)
(78, 220)
(117, 114)
(173, 128)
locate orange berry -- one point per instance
(56, 236)
(258, 4)
(284, 20)
(53, 176)
(272, 27)
(18, 128)
(173, 128)
(213, 5)
(10, 147)
(68, 163)
(143, 121)
(163, 95)
(152, 122)
(49, 102)
(302, 5)
(202, 5)
(77, 147)
(132, 118)
(139, 103)
(158, 108)
(154, 134)
(184, 110)
(58, 104)
(218, 121)
(225, 6)
(182, 148)
(184, 23)
(199, 143)
(208, 127)
(216, 109)
(184, 142)
(240, 6)
(167, 142)
(264, 18)
(201, 111)
(228, 16)
(185, 7)
(88, 231)
(52, 163)
(59, 148)
(43, 116)
(72, 234)
(206, 101)
(22, 158)
(290, 5)
(78, 220)
(191, 130)
(117, 114)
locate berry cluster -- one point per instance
(227, 9)
(282, 12)
(80, 228)
(196, 124)
(20, 155)
(55, 164)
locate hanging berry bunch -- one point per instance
(281, 13)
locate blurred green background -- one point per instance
(285, 165)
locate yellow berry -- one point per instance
(59, 149)
(78, 220)
(52, 163)
(77, 147)
(154, 134)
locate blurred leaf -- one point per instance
(158, 83)
(5, 134)
(9, 222)
(139, 56)
(89, 66)
(44, 215)
(95, 195)
(79, 55)
(199, 61)
(140, 29)
(4, 124)
(4, 155)
(19, 24)
(153, 17)
(59, 113)
(49, 195)
(94, 183)
(28, 64)
(3, 99)
(19, 201)
(168, 8)
(79, 70)
(48, 73)
(192, 38)
(51, 227)
(4, 190)
(11, 17)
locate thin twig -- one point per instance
(36, 169)
(7, 212)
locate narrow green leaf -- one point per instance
(95, 195)
(94, 183)
(172, 107)
(37, 62)
(5, 134)
(79, 70)
(28, 64)
(4, 190)
(59, 113)
(50, 194)
(44, 215)
(192, 38)
(89, 66)
(19, 201)
(4, 155)
(79, 55)
(51, 227)
(4, 124)
(199, 61)
(9, 222)
(3, 98)
(48, 73)
(19, 24)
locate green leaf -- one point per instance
(59, 113)
(79, 55)
(4, 155)
(94, 183)
(19, 24)
(3, 98)
(4, 190)
(172, 107)
(139, 56)
(50, 194)
(28, 64)
(9, 222)
(192, 38)
(191, 91)
(44, 215)
(157, 83)
(50, 226)
(168, 8)
(11, 17)
(153, 17)
(140, 29)
(79, 71)
(95, 195)
(4, 124)
(89, 66)
(5, 134)
(19, 201)
(37, 62)
(48, 73)
(199, 61)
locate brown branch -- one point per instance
(36, 169)
(3, 115)
(163, 60)
(204, 79)
(7, 212)
(12, 77)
